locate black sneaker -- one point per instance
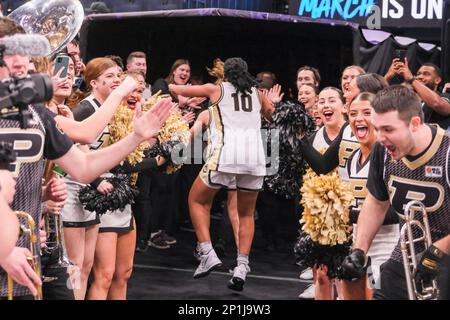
(141, 246)
(169, 240)
(158, 242)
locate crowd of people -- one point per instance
(387, 142)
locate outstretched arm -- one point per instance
(85, 167)
(428, 96)
(206, 90)
(88, 130)
(322, 163)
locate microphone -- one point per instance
(31, 45)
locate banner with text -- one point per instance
(373, 14)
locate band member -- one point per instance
(408, 163)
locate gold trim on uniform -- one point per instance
(412, 165)
(213, 161)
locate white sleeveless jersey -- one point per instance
(103, 139)
(321, 140)
(348, 145)
(358, 175)
(235, 142)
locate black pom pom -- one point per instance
(291, 120)
(122, 195)
(311, 254)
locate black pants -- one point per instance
(393, 282)
(60, 287)
(163, 205)
(279, 220)
(444, 281)
(142, 206)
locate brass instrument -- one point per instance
(55, 239)
(416, 291)
(30, 230)
(58, 20)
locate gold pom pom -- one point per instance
(175, 128)
(121, 125)
(326, 199)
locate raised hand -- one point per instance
(195, 102)
(189, 117)
(405, 72)
(393, 69)
(147, 125)
(127, 86)
(275, 94)
(57, 80)
(65, 111)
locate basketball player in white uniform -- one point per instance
(236, 161)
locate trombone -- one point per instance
(30, 230)
(55, 236)
(416, 290)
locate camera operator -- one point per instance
(45, 140)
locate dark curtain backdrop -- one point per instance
(377, 58)
(280, 46)
(273, 42)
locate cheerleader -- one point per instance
(116, 241)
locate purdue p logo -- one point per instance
(28, 145)
(402, 191)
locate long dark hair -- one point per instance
(236, 72)
(176, 64)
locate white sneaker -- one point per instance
(309, 293)
(208, 262)
(238, 280)
(307, 274)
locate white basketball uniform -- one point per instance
(236, 157)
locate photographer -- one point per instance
(47, 141)
(435, 105)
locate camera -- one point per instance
(16, 93)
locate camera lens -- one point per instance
(59, 59)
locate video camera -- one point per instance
(16, 93)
